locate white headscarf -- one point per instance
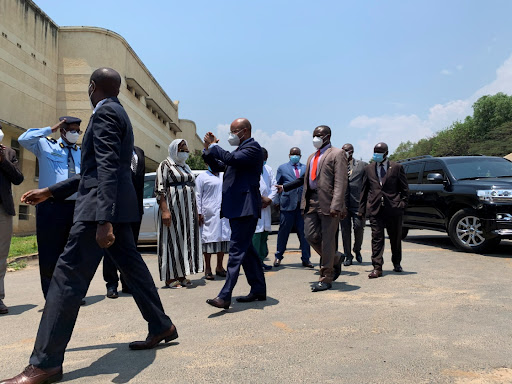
(173, 154)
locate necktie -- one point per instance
(133, 165)
(71, 163)
(382, 171)
(297, 174)
(315, 165)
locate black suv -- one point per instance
(469, 197)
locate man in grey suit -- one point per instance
(323, 203)
(289, 203)
(355, 183)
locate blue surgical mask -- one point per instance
(295, 159)
(378, 157)
(210, 169)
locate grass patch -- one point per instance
(16, 265)
(20, 246)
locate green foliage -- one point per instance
(23, 245)
(17, 265)
(487, 132)
(195, 161)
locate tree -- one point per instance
(195, 161)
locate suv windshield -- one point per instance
(477, 168)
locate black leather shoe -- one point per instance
(398, 268)
(3, 308)
(252, 297)
(277, 262)
(112, 293)
(82, 303)
(341, 256)
(219, 303)
(347, 262)
(307, 264)
(321, 286)
(153, 340)
(359, 258)
(337, 270)
(221, 273)
(266, 267)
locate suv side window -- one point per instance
(432, 167)
(413, 171)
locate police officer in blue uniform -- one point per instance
(58, 160)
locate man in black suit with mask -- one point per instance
(105, 207)
(384, 196)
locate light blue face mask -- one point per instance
(265, 162)
(378, 157)
(294, 159)
(210, 169)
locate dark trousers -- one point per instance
(242, 253)
(54, 220)
(321, 232)
(393, 225)
(73, 274)
(346, 233)
(287, 219)
(110, 269)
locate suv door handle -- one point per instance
(419, 193)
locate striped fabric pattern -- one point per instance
(219, 246)
(179, 246)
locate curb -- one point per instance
(32, 256)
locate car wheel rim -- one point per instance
(469, 231)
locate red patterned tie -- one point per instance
(297, 174)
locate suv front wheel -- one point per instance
(465, 231)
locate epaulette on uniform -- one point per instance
(51, 139)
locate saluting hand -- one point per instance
(59, 125)
(36, 196)
(105, 235)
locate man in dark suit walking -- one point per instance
(384, 196)
(355, 181)
(241, 204)
(138, 168)
(9, 174)
(289, 204)
(105, 207)
(323, 203)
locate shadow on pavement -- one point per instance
(19, 309)
(89, 300)
(121, 361)
(342, 287)
(240, 307)
(503, 250)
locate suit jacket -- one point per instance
(9, 174)
(241, 184)
(289, 200)
(355, 184)
(332, 178)
(138, 179)
(391, 197)
(105, 188)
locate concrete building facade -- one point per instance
(44, 74)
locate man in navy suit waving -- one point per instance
(241, 204)
(105, 206)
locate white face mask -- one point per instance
(90, 95)
(182, 157)
(1, 135)
(72, 136)
(317, 142)
(233, 139)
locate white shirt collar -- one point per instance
(100, 103)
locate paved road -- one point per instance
(446, 319)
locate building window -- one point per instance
(23, 212)
(17, 148)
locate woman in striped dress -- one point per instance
(179, 241)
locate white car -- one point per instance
(148, 226)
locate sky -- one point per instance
(373, 71)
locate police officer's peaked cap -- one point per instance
(70, 119)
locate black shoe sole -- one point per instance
(242, 300)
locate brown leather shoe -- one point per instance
(219, 303)
(33, 375)
(375, 273)
(153, 340)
